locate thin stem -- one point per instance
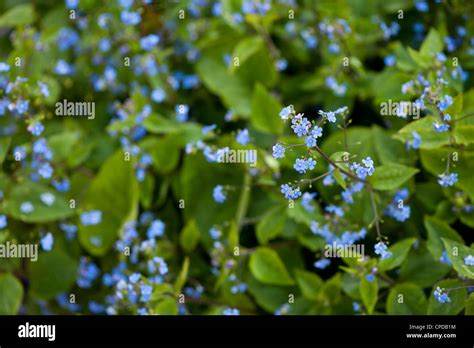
(377, 218)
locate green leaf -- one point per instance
(235, 94)
(271, 225)
(369, 292)
(165, 152)
(267, 267)
(432, 44)
(391, 176)
(456, 253)
(470, 305)
(265, 110)
(309, 283)
(183, 275)
(190, 236)
(340, 180)
(421, 268)
(114, 191)
(449, 308)
(246, 49)
(18, 15)
(4, 146)
(406, 299)
(54, 272)
(167, 306)
(464, 134)
(430, 139)
(399, 251)
(438, 229)
(31, 192)
(11, 294)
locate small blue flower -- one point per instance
(334, 209)
(322, 264)
(72, 4)
(469, 260)
(130, 18)
(370, 277)
(47, 242)
(445, 258)
(26, 207)
(219, 194)
(4, 67)
(231, 311)
(135, 277)
(146, 291)
(44, 89)
(156, 229)
(63, 68)
(243, 137)
(440, 296)
(61, 186)
(445, 102)
(447, 180)
(440, 127)
(22, 106)
(47, 198)
(158, 95)
(289, 192)
(278, 151)
(182, 111)
(307, 200)
(69, 229)
(381, 249)
(36, 128)
(92, 217)
(286, 112)
(302, 165)
(300, 125)
(149, 42)
(45, 170)
(390, 60)
(3, 221)
(356, 307)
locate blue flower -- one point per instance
(156, 229)
(243, 137)
(92, 217)
(22, 106)
(286, 112)
(445, 102)
(278, 151)
(130, 18)
(44, 89)
(447, 180)
(135, 277)
(61, 186)
(69, 229)
(219, 194)
(231, 311)
(469, 260)
(36, 128)
(415, 143)
(289, 192)
(47, 198)
(45, 170)
(67, 38)
(87, 273)
(421, 6)
(302, 165)
(300, 125)
(4, 67)
(338, 211)
(389, 60)
(158, 95)
(150, 41)
(3, 221)
(47, 241)
(26, 207)
(370, 277)
(440, 296)
(72, 4)
(307, 200)
(440, 127)
(381, 249)
(356, 307)
(445, 258)
(146, 291)
(63, 68)
(322, 264)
